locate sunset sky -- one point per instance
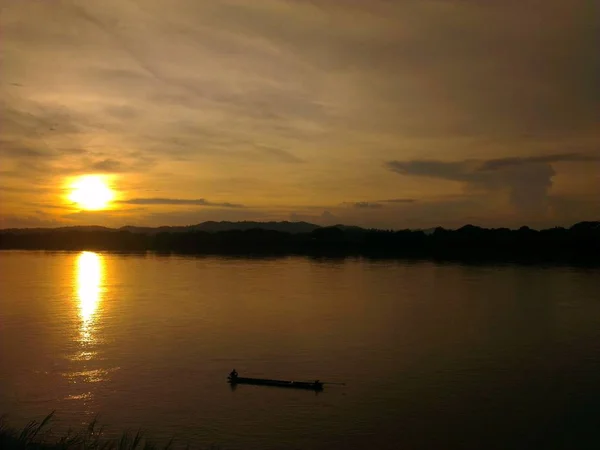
(396, 114)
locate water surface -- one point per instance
(433, 355)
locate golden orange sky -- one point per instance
(373, 113)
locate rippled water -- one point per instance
(433, 356)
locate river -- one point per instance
(431, 355)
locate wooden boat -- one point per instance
(311, 385)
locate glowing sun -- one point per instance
(91, 192)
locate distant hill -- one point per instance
(586, 227)
(58, 229)
(214, 227)
(284, 227)
(210, 227)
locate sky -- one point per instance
(377, 113)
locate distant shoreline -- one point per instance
(579, 244)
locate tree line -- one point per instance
(581, 242)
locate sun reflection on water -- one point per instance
(90, 274)
(86, 367)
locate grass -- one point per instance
(39, 436)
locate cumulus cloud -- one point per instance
(528, 179)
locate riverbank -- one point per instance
(38, 435)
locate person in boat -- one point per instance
(233, 374)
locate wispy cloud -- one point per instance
(193, 94)
(29, 221)
(279, 154)
(365, 205)
(458, 171)
(398, 200)
(501, 163)
(108, 165)
(473, 170)
(178, 202)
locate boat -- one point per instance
(310, 385)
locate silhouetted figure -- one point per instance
(233, 374)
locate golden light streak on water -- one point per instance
(90, 277)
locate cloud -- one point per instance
(108, 165)
(25, 189)
(378, 204)
(528, 179)
(398, 200)
(35, 220)
(193, 94)
(458, 171)
(365, 205)
(122, 111)
(473, 170)
(178, 202)
(130, 162)
(501, 163)
(280, 155)
(15, 150)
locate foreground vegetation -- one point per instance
(39, 436)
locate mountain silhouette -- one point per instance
(213, 227)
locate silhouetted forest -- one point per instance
(579, 243)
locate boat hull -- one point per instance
(313, 386)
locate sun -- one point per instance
(91, 192)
